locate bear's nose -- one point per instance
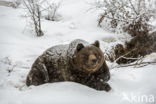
(94, 61)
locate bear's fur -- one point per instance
(78, 61)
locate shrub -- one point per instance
(51, 11)
(130, 16)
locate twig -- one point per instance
(133, 7)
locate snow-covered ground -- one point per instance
(19, 48)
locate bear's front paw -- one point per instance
(103, 86)
(107, 87)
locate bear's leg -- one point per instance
(38, 75)
(104, 72)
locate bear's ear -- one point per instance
(79, 47)
(96, 43)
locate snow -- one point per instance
(19, 48)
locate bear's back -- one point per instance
(56, 52)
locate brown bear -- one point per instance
(78, 61)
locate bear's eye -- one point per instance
(86, 56)
(96, 55)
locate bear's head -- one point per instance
(88, 58)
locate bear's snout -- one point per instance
(92, 59)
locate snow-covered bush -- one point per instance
(51, 11)
(34, 9)
(130, 16)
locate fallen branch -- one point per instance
(136, 64)
(121, 57)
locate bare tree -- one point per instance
(33, 7)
